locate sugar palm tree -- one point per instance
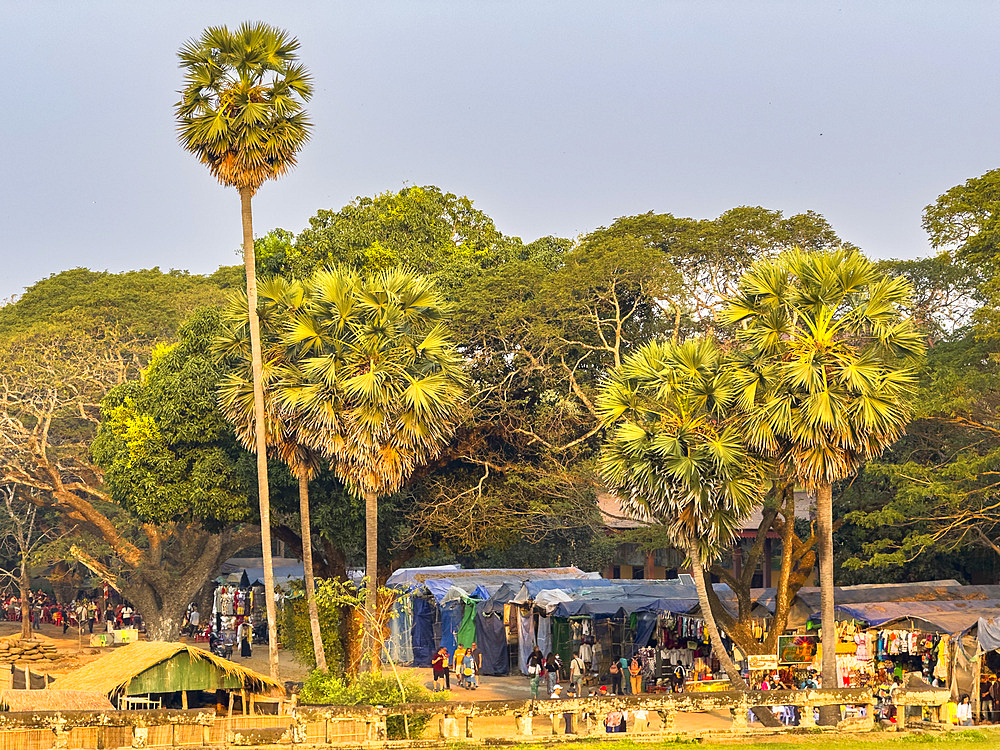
(826, 377)
(674, 454)
(383, 388)
(279, 300)
(241, 114)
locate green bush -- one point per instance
(373, 690)
(295, 635)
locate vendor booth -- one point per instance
(449, 606)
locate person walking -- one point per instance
(535, 665)
(469, 668)
(194, 620)
(616, 678)
(576, 672)
(552, 666)
(441, 672)
(457, 664)
(635, 675)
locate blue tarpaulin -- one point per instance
(491, 640)
(989, 633)
(451, 620)
(423, 632)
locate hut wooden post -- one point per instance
(231, 697)
(184, 699)
(243, 700)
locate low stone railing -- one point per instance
(586, 715)
(365, 726)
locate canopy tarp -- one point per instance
(989, 633)
(491, 639)
(950, 617)
(473, 581)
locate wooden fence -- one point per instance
(468, 721)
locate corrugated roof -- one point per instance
(54, 700)
(114, 671)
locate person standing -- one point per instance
(964, 712)
(626, 683)
(440, 666)
(577, 667)
(244, 634)
(127, 616)
(535, 665)
(616, 678)
(81, 615)
(995, 698)
(635, 675)
(194, 620)
(678, 676)
(91, 615)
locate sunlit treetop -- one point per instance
(241, 107)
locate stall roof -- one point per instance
(923, 591)
(478, 582)
(945, 616)
(54, 700)
(143, 663)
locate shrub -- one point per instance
(373, 690)
(295, 635)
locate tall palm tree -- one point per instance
(241, 114)
(383, 388)
(279, 299)
(826, 377)
(674, 454)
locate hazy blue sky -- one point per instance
(555, 117)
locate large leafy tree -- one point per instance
(379, 382)
(675, 454)
(170, 460)
(280, 299)
(241, 113)
(826, 377)
(63, 345)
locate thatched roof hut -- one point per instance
(158, 667)
(54, 700)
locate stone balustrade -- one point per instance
(365, 726)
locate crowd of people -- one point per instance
(82, 613)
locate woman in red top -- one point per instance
(440, 666)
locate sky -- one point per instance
(554, 117)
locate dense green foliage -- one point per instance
(166, 450)
(296, 636)
(374, 690)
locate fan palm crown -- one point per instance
(241, 107)
(675, 454)
(673, 451)
(383, 384)
(829, 364)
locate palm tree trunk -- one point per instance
(260, 432)
(698, 572)
(369, 645)
(762, 714)
(828, 715)
(307, 567)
